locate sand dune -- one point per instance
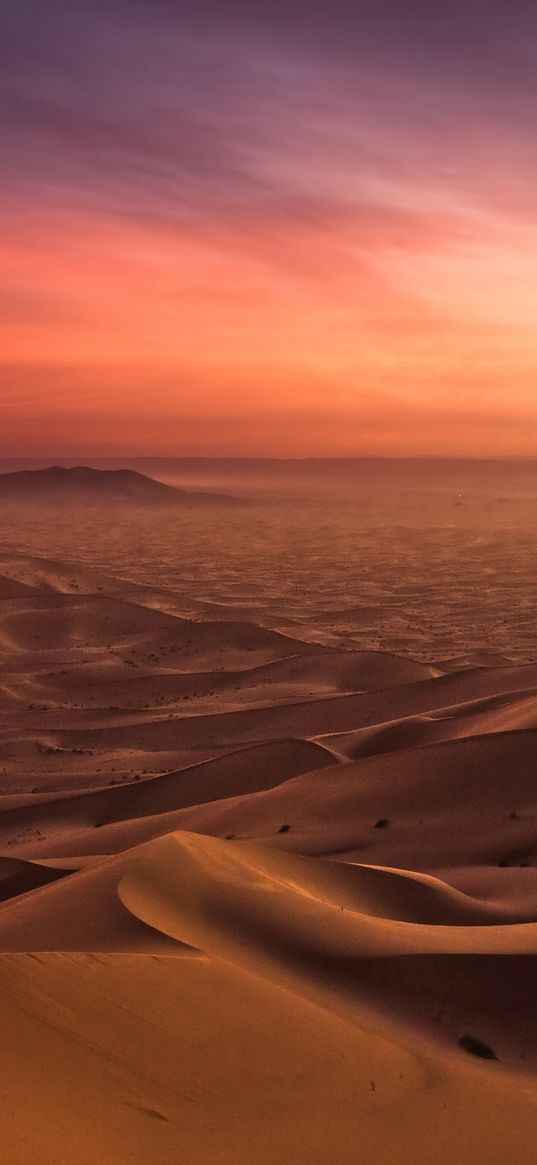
(13, 589)
(284, 957)
(309, 1083)
(231, 775)
(18, 877)
(257, 884)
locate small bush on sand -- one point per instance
(476, 1047)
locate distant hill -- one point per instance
(111, 485)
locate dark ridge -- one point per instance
(82, 483)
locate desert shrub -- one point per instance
(476, 1047)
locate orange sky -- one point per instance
(320, 308)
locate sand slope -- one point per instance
(255, 887)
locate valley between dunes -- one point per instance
(255, 887)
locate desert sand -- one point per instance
(268, 850)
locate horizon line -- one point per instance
(57, 459)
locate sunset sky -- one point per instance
(269, 229)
